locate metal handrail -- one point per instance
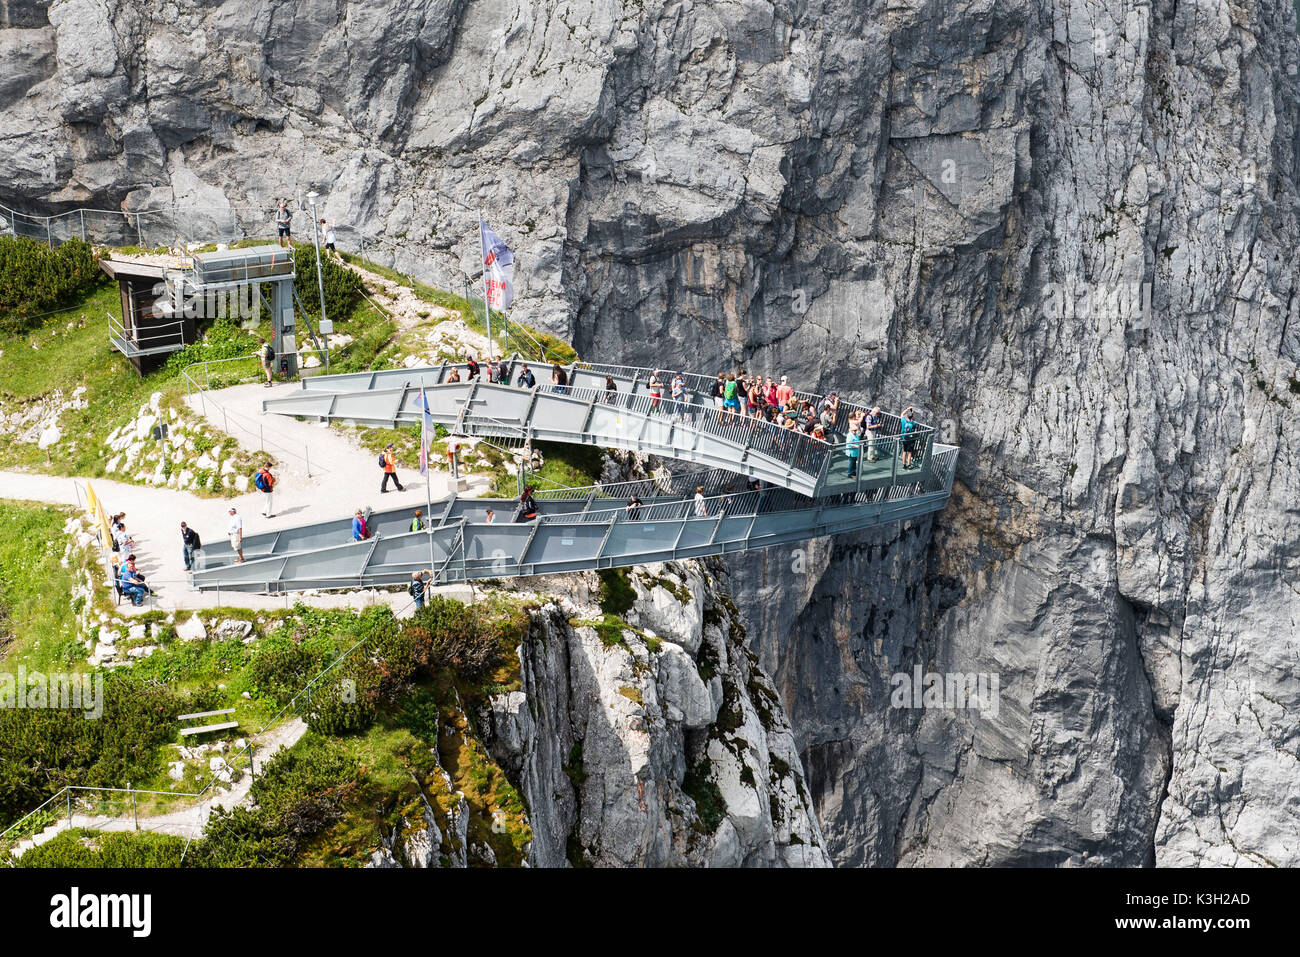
(193, 387)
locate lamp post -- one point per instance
(320, 279)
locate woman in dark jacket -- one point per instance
(527, 510)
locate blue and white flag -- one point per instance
(498, 268)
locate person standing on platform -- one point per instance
(235, 532)
(283, 220)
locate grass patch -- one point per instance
(38, 623)
(616, 593)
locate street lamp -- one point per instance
(320, 279)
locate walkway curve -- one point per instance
(584, 412)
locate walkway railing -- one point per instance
(177, 813)
(199, 381)
(626, 417)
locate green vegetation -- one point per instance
(343, 287)
(86, 848)
(36, 279)
(520, 339)
(46, 360)
(710, 806)
(38, 624)
(616, 594)
(46, 749)
(564, 466)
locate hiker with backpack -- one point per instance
(190, 544)
(264, 482)
(388, 462)
(267, 354)
(911, 438)
(527, 509)
(419, 583)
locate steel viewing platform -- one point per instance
(763, 485)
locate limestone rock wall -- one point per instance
(954, 205)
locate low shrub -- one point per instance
(45, 749)
(36, 279)
(343, 287)
(83, 848)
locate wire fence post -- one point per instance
(135, 810)
(69, 793)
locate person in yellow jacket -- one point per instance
(389, 463)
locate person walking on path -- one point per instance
(360, 530)
(328, 234)
(190, 543)
(283, 219)
(388, 462)
(419, 582)
(267, 354)
(235, 532)
(265, 483)
(701, 507)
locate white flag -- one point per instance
(498, 268)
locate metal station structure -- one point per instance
(763, 485)
(161, 305)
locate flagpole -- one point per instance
(487, 307)
(425, 444)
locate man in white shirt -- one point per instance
(235, 531)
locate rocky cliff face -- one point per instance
(650, 741)
(953, 205)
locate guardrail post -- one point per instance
(69, 793)
(135, 810)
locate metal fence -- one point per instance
(201, 377)
(146, 228)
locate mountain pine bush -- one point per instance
(36, 279)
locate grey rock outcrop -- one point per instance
(627, 757)
(950, 205)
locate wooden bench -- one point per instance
(203, 729)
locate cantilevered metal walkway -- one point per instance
(587, 412)
(576, 529)
(762, 485)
